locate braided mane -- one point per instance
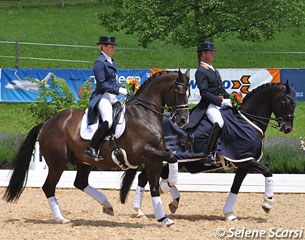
(254, 91)
(143, 86)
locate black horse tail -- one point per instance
(127, 180)
(21, 165)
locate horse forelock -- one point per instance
(152, 78)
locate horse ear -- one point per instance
(288, 87)
(180, 73)
(187, 73)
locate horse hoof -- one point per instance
(166, 222)
(140, 214)
(108, 211)
(173, 206)
(267, 204)
(230, 216)
(266, 210)
(64, 221)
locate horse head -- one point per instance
(178, 105)
(285, 109)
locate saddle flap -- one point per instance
(119, 124)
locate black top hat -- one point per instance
(206, 46)
(107, 40)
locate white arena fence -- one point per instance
(206, 182)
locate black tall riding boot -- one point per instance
(211, 142)
(96, 142)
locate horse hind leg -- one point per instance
(81, 183)
(56, 159)
(139, 193)
(230, 202)
(49, 190)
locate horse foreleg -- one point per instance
(167, 184)
(174, 204)
(153, 170)
(142, 181)
(228, 207)
(268, 198)
(81, 182)
(259, 168)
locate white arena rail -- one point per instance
(210, 182)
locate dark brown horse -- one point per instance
(258, 106)
(143, 142)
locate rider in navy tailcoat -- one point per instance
(104, 95)
(213, 95)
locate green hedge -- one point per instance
(281, 154)
(9, 145)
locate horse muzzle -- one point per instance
(286, 127)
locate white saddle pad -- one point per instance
(87, 131)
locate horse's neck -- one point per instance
(258, 114)
(153, 94)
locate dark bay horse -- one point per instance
(143, 142)
(258, 106)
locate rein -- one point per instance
(260, 120)
(150, 106)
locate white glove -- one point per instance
(123, 91)
(226, 102)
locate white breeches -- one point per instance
(213, 113)
(105, 107)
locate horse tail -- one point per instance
(127, 180)
(21, 165)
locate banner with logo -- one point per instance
(21, 85)
(235, 79)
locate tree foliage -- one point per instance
(58, 97)
(189, 22)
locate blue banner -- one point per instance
(21, 85)
(297, 78)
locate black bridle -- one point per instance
(180, 88)
(286, 103)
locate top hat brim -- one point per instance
(111, 43)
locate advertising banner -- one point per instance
(235, 79)
(297, 78)
(240, 80)
(21, 85)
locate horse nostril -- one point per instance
(183, 120)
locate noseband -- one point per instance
(286, 102)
